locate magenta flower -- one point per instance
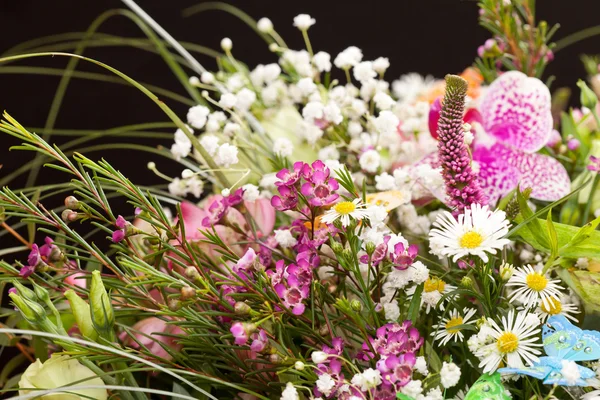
(397, 370)
(287, 199)
(594, 164)
(239, 330)
(259, 341)
(293, 296)
(403, 258)
(319, 187)
(39, 256)
(462, 186)
(119, 234)
(518, 122)
(34, 257)
(289, 178)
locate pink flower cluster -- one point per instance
(292, 282)
(39, 256)
(401, 256)
(318, 187)
(396, 345)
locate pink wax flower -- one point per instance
(319, 187)
(594, 164)
(259, 341)
(397, 370)
(149, 332)
(119, 234)
(403, 258)
(39, 256)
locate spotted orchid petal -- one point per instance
(516, 110)
(502, 168)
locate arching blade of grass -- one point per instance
(195, 143)
(64, 83)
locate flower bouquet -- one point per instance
(330, 235)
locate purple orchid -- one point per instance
(517, 122)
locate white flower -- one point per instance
(449, 374)
(306, 86)
(290, 392)
(194, 81)
(283, 147)
(532, 320)
(303, 21)
(582, 263)
(564, 306)
(329, 153)
(180, 151)
(197, 116)
(299, 365)
(322, 61)
(434, 394)
(385, 181)
(227, 100)
(244, 99)
(512, 343)
(265, 74)
(265, 25)
(332, 113)
(478, 231)
(210, 143)
(177, 187)
(593, 395)
(61, 371)
(207, 78)
(420, 272)
(421, 366)
(310, 132)
(359, 107)
(410, 86)
(412, 389)
(227, 155)
(433, 290)
(313, 110)
(370, 161)
(268, 181)
(387, 123)
(215, 120)
(226, 44)
(371, 87)
(381, 64)
(392, 311)
(469, 138)
(369, 379)
(363, 72)
(299, 60)
(284, 238)
(533, 287)
(325, 384)
(348, 58)
(251, 192)
(231, 128)
(446, 331)
(235, 82)
(319, 357)
(383, 101)
(344, 210)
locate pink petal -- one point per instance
(496, 176)
(263, 214)
(516, 110)
(192, 220)
(434, 116)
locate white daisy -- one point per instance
(344, 210)
(533, 286)
(478, 231)
(446, 331)
(564, 306)
(433, 290)
(512, 343)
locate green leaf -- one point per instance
(535, 226)
(587, 286)
(552, 235)
(433, 360)
(415, 304)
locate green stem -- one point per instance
(576, 37)
(586, 213)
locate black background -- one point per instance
(428, 36)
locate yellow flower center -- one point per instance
(555, 306)
(345, 207)
(433, 284)
(507, 342)
(536, 281)
(471, 240)
(452, 323)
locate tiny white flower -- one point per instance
(244, 99)
(322, 61)
(210, 144)
(332, 113)
(197, 116)
(363, 72)
(310, 132)
(355, 128)
(370, 161)
(290, 392)
(384, 182)
(387, 122)
(177, 187)
(381, 64)
(412, 389)
(392, 311)
(194, 81)
(313, 110)
(284, 238)
(383, 101)
(226, 44)
(319, 357)
(449, 374)
(325, 384)
(227, 155)
(227, 100)
(265, 25)
(369, 379)
(306, 86)
(207, 78)
(251, 192)
(582, 263)
(348, 58)
(179, 150)
(268, 181)
(329, 153)
(231, 128)
(421, 366)
(283, 147)
(303, 21)
(469, 138)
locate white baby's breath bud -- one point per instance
(319, 357)
(273, 47)
(225, 192)
(468, 138)
(227, 100)
(466, 127)
(151, 165)
(303, 21)
(187, 173)
(283, 147)
(299, 365)
(226, 44)
(265, 25)
(381, 65)
(207, 78)
(194, 81)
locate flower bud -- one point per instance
(273, 47)
(194, 81)
(41, 293)
(587, 97)
(192, 273)
(355, 305)
(72, 202)
(242, 308)
(319, 357)
(226, 44)
(187, 293)
(174, 304)
(31, 311)
(299, 365)
(466, 282)
(68, 215)
(101, 310)
(348, 254)
(24, 291)
(506, 271)
(265, 25)
(323, 331)
(337, 247)
(82, 314)
(275, 358)
(370, 248)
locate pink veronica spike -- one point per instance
(516, 110)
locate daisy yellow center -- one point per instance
(554, 306)
(345, 207)
(433, 284)
(452, 323)
(507, 342)
(471, 240)
(536, 281)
